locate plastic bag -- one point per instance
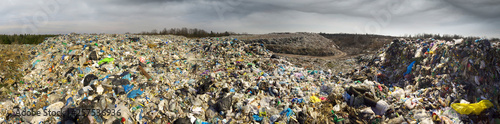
(475, 108)
(134, 93)
(127, 87)
(106, 60)
(314, 99)
(408, 69)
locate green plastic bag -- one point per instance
(475, 108)
(106, 60)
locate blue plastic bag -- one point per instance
(408, 69)
(69, 100)
(257, 118)
(127, 87)
(134, 93)
(288, 112)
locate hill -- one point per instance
(354, 44)
(295, 43)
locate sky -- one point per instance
(386, 17)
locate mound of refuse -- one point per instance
(171, 79)
(354, 44)
(438, 81)
(11, 62)
(295, 43)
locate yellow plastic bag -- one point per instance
(314, 99)
(475, 108)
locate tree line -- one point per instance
(23, 38)
(187, 32)
(447, 37)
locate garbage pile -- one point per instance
(11, 62)
(437, 81)
(300, 43)
(172, 79)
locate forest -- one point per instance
(23, 38)
(187, 32)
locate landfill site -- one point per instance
(290, 78)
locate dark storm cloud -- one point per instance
(463, 17)
(479, 8)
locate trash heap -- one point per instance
(173, 79)
(438, 81)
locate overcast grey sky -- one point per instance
(391, 17)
